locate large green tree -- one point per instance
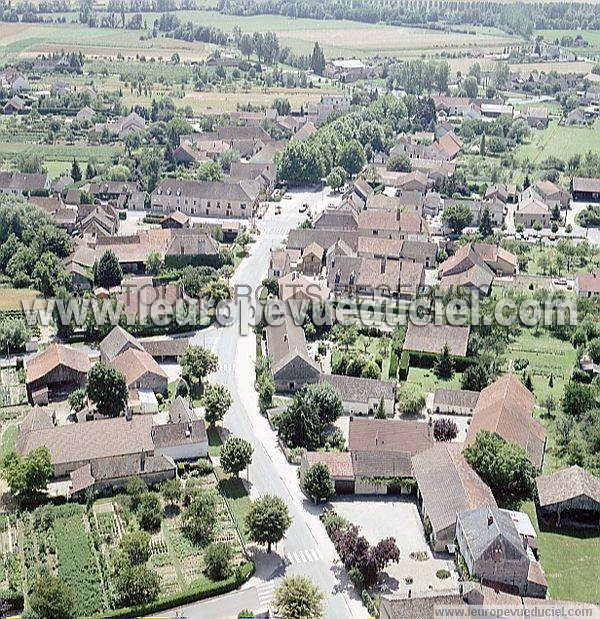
(301, 163)
(107, 270)
(352, 157)
(107, 389)
(317, 482)
(268, 520)
(217, 401)
(29, 475)
(457, 216)
(199, 518)
(197, 362)
(236, 455)
(501, 464)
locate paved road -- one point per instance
(306, 549)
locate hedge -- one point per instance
(193, 594)
(428, 359)
(202, 260)
(393, 371)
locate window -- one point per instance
(208, 203)
(243, 207)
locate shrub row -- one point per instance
(404, 365)
(200, 591)
(428, 360)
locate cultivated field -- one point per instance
(337, 37)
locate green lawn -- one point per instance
(559, 141)
(547, 356)
(425, 381)
(591, 36)
(9, 438)
(235, 494)
(571, 561)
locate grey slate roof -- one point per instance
(484, 525)
(360, 389)
(455, 397)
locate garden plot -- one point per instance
(12, 388)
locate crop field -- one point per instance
(580, 66)
(337, 37)
(559, 141)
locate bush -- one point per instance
(218, 561)
(442, 574)
(204, 466)
(404, 365)
(356, 578)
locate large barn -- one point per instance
(571, 495)
(55, 372)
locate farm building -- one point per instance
(454, 401)
(571, 495)
(361, 396)
(495, 552)
(55, 372)
(586, 189)
(339, 465)
(505, 409)
(447, 485)
(430, 338)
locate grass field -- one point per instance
(337, 37)
(559, 141)
(591, 36)
(571, 561)
(9, 438)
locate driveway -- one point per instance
(398, 517)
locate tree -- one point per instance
(317, 482)
(469, 87)
(149, 511)
(457, 216)
(217, 559)
(30, 475)
(77, 400)
(476, 377)
(154, 263)
(197, 363)
(135, 547)
(268, 520)
(136, 488)
(107, 271)
(352, 157)
(75, 171)
(444, 366)
(236, 455)
(501, 464)
(107, 389)
(357, 553)
(485, 225)
(399, 163)
(336, 178)
(578, 399)
(199, 518)
(301, 163)
(134, 584)
(317, 60)
(171, 490)
(209, 171)
(298, 598)
(380, 414)
(51, 598)
(444, 429)
(327, 400)
(217, 400)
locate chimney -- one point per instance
(490, 519)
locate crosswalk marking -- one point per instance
(304, 556)
(266, 592)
